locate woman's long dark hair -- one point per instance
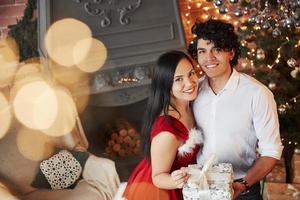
(159, 100)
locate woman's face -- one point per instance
(185, 82)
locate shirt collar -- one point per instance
(204, 83)
(231, 84)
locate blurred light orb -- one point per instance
(81, 98)
(5, 115)
(35, 105)
(68, 77)
(89, 54)
(34, 145)
(27, 70)
(66, 116)
(61, 38)
(5, 194)
(9, 60)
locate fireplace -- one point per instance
(135, 33)
(95, 120)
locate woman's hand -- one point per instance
(79, 147)
(179, 177)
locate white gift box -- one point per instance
(218, 177)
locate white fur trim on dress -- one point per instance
(195, 137)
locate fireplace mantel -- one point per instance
(135, 33)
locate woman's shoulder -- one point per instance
(173, 126)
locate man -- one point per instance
(235, 111)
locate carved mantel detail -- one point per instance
(125, 10)
(121, 78)
(96, 9)
(120, 86)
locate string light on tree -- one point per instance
(295, 73)
(260, 54)
(272, 86)
(234, 1)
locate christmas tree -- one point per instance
(269, 31)
(270, 41)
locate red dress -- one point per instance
(140, 186)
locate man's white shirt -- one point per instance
(242, 115)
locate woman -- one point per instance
(167, 144)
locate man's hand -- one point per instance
(238, 189)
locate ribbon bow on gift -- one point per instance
(198, 177)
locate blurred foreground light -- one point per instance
(61, 38)
(66, 116)
(69, 77)
(5, 194)
(27, 70)
(35, 105)
(34, 145)
(89, 54)
(23, 80)
(75, 80)
(9, 60)
(81, 97)
(5, 116)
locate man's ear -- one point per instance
(232, 53)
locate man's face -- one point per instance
(214, 61)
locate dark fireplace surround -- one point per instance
(135, 33)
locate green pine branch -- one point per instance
(25, 32)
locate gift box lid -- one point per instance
(221, 172)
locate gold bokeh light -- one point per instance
(5, 194)
(89, 54)
(66, 117)
(35, 105)
(27, 70)
(34, 145)
(5, 115)
(9, 60)
(61, 38)
(68, 77)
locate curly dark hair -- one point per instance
(220, 33)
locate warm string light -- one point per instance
(294, 99)
(243, 28)
(298, 44)
(188, 16)
(128, 80)
(277, 60)
(203, 10)
(270, 66)
(288, 105)
(289, 142)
